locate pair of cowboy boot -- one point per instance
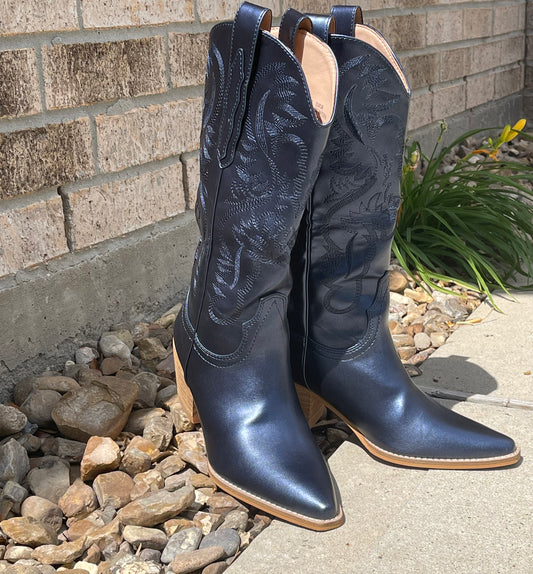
(301, 155)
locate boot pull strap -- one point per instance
(346, 17)
(291, 22)
(247, 26)
(323, 26)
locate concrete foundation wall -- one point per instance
(100, 108)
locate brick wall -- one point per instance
(100, 103)
(100, 106)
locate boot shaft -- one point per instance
(343, 250)
(261, 141)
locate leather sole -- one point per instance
(187, 402)
(312, 404)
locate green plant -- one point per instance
(471, 224)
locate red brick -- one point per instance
(31, 235)
(36, 158)
(79, 74)
(28, 16)
(120, 13)
(19, 84)
(105, 211)
(147, 134)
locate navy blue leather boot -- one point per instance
(342, 352)
(266, 118)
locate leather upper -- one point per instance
(231, 335)
(341, 345)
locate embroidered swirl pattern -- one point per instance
(358, 210)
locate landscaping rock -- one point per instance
(191, 561)
(71, 450)
(43, 511)
(28, 531)
(111, 346)
(12, 420)
(100, 408)
(227, 538)
(78, 500)
(183, 541)
(146, 537)
(16, 553)
(159, 431)
(148, 384)
(86, 355)
(138, 419)
(113, 489)
(63, 554)
(155, 508)
(59, 384)
(38, 407)
(422, 341)
(51, 481)
(102, 454)
(14, 462)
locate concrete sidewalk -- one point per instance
(409, 521)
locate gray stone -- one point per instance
(183, 541)
(148, 384)
(14, 462)
(139, 566)
(145, 537)
(71, 450)
(86, 355)
(100, 408)
(138, 419)
(111, 346)
(236, 519)
(50, 482)
(15, 493)
(150, 555)
(159, 430)
(422, 341)
(164, 394)
(44, 511)
(227, 538)
(124, 335)
(22, 389)
(59, 384)
(449, 305)
(11, 420)
(18, 552)
(438, 338)
(38, 407)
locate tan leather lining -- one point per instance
(374, 38)
(320, 69)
